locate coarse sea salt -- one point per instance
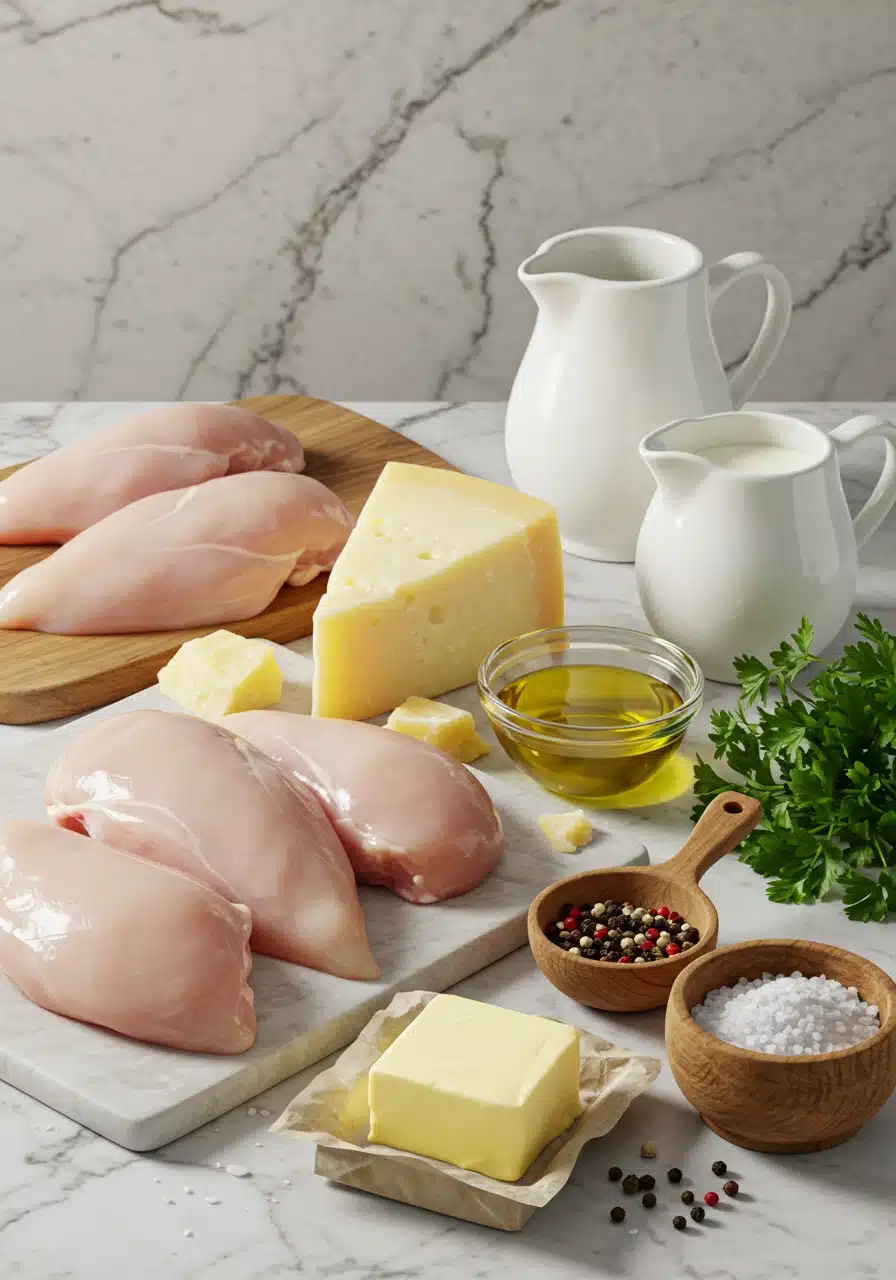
(785, 1014)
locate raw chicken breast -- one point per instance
(122, 943)
(56, 497)
(409, 815)
(186, 793)
(217, 552)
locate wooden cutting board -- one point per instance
(44, 677)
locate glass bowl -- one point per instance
(591, 750)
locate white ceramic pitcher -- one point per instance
(622, 344)
(749, 531)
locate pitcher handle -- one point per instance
(884, 494)
(775, 322)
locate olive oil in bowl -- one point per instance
(585, 729)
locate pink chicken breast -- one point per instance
(218, 552)
(57, 496)
(185, 793)
(122, 943)
(410, 817)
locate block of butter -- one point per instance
(566, 832)
(440, 568)
(220, 673)
(477, 1086)
(448, 728)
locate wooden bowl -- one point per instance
(631, 988)
(772, 1102)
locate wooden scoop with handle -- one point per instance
(727, 820)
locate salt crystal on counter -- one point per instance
(237, 1170)
(788, 1015)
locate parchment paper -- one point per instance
(333, 1113)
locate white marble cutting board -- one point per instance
(142, 1096)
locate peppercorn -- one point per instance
(698, 1213)
(614, 1173)
(648, 1150)
(731, 1188)
(687, 1197)
(647, 1181)
(648, 1200)
(719, 1168)
(631, 1184)
(711, 1198)
(617, 1213)
(679, 1223)
(674, 1174)
(625, 960)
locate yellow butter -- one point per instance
(566, 832)
(440, 568)
(448, 728)
(479, 1087)
(218, 674)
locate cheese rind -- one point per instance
(477, 1086)
(566, 832)
(449, 728)
(218, 674)
(440, 569)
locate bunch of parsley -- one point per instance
(822, 762)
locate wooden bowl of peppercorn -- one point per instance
(636, 977)
(782, 1102)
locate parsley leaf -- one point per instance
(821, 759)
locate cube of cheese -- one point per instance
(440, 569)
(220, 673)
(566, 832)
(448, 728)
(476, 1086)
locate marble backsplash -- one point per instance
(212, 198)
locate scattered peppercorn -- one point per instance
(614, 1173)
(679, 1223)
(647, 1182)
(631, 1183)
(720, 1168)
(731, 1188)
(711, 1198)
(648, 1200)
(617, 1213)
(648, 1150)
(687, 1197)
(698, 1213)
(674, 1174)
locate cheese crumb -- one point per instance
(566, 832)
(448, 728)
(221, 673)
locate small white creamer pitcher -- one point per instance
(622, 343)
(749, 531)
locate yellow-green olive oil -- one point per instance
(570, 699)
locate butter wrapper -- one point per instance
(332, 1112)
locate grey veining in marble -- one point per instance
(74, 1206)
(229, 197)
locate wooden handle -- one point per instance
(722, 826)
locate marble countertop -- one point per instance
(72, 1205)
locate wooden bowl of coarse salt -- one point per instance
(802, 1100)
